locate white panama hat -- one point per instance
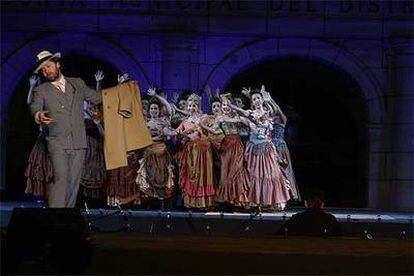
(43, 57)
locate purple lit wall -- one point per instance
(180, 45)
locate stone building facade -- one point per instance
(187, 44)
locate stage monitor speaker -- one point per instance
(58, 235)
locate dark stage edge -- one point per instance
(360, 223)
(136, 242)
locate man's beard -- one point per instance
(53, 76)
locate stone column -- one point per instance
(2, 156)
(400, 125)
(377, 160)
(175, 53)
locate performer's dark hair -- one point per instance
(153, 100)
(145, 97)
(245, 100)
(184, 95)
(255, 91)
(214, 99)
(314, 197)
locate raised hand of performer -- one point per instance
(274, 108)
(33, 81)
(268, 102)
(99, 76)
(246, 91)
(207, 90)
(175, 97)
(218, 92)
(123, 78)
(151, 91)
(266, 95)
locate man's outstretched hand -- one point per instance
(42, 118)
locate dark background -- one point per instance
(325, 130)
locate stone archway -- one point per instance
(22, 60)
(259, 51)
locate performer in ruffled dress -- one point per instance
(155, 175)
(278, 133)
(267, 183)
(212, 130)
(93, 180)
(195, 159)
(39, 170)
(234, 181)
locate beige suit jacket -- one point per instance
(125, 126)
